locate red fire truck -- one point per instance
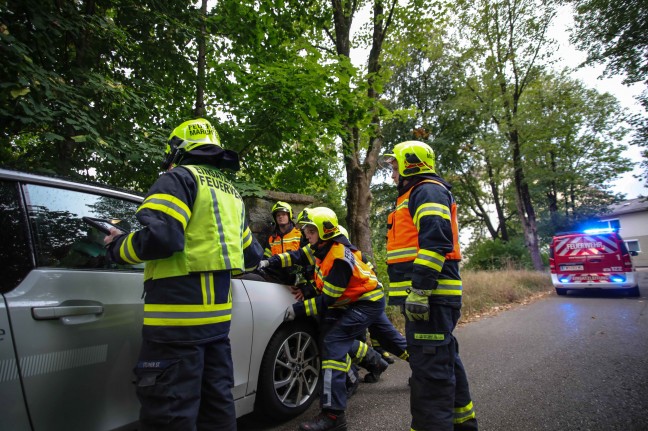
(592, 259)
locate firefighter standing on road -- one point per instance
(195, 233)
(423, 260)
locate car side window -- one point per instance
(15, 258)
(62, 238)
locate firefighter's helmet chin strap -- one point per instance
(174, 155)
(317, 245)
(402, 183)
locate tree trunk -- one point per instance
(476, 205)
(360, 172)
(552, 194)
(358, 202)
(499, 210)
(524, 205)
(199, 109)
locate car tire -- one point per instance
(289, 377)
(561, 291)
(634, 291)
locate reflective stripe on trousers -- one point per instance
(337, 343)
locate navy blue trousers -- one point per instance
(387, 337)
(186, 386)
(440, 396)
(337, 343)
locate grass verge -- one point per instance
(486, 293)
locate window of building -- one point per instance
(612, 224)
(633, 245)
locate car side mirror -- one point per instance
(634, 253)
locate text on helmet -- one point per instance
(199, 129)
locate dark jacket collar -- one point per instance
(212, 155)
(406, 183)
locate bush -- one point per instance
(498, 254)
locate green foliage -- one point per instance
(77, 90)
(92, 90)
(641, 136)
(384, 202)
(497, 255)
(380, 257)
(280, 113)
(575, 157)
(247, 189)
(614, 33)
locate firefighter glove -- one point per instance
(289, 315)
(263, 264)
(417, 306)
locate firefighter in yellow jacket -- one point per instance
(194, 235)
(423, 263)
(350, 293)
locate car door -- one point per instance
(76, 318)
(241, 337)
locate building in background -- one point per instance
(630, 218)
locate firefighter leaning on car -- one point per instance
(385, 338)
(350, 294)
(423, 263)
(194, 235)
(361, 354)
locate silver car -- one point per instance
(70, 321)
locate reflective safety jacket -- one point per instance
(423, 242)
(194, 235)
(341, 277)
(279, 243)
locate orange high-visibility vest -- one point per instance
(363, 284)
(402, 236)
(290, 241)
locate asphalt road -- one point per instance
(576, 362)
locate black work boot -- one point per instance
(382, 352)
(387, 357)
(325, 421)
(375, 370)
(353, 388)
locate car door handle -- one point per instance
(66, 310)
